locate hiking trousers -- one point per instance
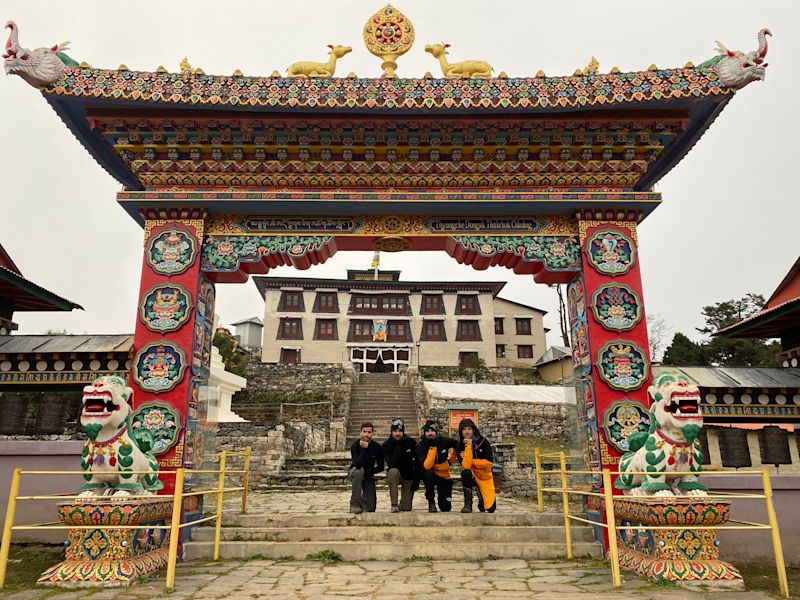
(363, 493)
(443, 490)
(397, 484)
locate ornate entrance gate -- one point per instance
(547, 176)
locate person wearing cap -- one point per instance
(436, 453)
(476, 456)
(400, 455)
(366, 461)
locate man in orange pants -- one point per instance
(475, 454)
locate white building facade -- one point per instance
(385, 324)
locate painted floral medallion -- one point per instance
(165, 308)
(159, 367)
(616, 307)
(623, 365)
(622, 419)
(610, 252)
(159, 423)
(172, 251)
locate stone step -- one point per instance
(394, 551)
(419, 517)
(468, 533)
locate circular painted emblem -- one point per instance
(622, 419)
(165, 308)
(622, 365)
(611, 252)
(616, 307)
(172, 251)
(159, 367)
(158, 424)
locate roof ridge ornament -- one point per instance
(467, 69)
(736, 68)
(388, 34)
(40, 67)
(316, 69)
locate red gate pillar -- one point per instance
(172, 343)
(609, 341)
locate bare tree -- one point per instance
(657, 336)
(562, 314)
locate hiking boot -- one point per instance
(356, 510)
(395, 508)
(431, 506)
(467, 501)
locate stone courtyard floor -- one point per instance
(382, 580)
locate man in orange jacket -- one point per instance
(475, 454)
(436, 453)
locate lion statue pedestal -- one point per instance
(688, 556)
(111, 556)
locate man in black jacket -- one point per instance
(400, 453)
(366, 460)
(436, 453)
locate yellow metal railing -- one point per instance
(177, 507)
(612, 528)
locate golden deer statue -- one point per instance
(316, 69)
(465, 69)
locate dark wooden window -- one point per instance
(431, 305)
(326, 330)
(394, 304)
(327, 302)
(468, 330)
(397, 331)
(523, 326)
(524, 351)
(365, 304)
(361, 331)
(470, 360)
(467, 305)
(290, 356)
(498, 325)
(291, 301)
(290, 329)
(433, 331)
(500, 350)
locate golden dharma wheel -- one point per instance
(388, 34)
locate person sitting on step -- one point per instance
(366, 461)
(400, 454)
(476, 456)
(436, 453)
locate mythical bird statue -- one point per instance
(737, 69)
(40, 67)
(670, 452)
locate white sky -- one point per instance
(728, 224)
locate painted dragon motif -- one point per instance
(40, 67)
(736, 68)
(111, 457)
(670, 452)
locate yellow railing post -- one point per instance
(5, 545)
(611, 522)
(537, 456)
(776, 534)
(246, 478)
(220, 495)
(175, 525)
(565, 498)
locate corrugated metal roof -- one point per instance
(733, 377)
(22, 344)
(553, 394)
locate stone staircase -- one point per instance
(399, 536)
(378, 398)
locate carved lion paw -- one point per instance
(664, 494)
(697, 493)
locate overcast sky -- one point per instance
(729, 220)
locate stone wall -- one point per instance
(272, 445)
(500, 375)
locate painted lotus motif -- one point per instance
(622, 419)
(159, 367)
(165, 308)
(171, 252)
(160, 423)
(623, 365)
(616, 307)
(610, 252)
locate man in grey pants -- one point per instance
(366, 460)
(402, 466)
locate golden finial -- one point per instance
(352, 75)
(540, 73)
(428, 75)
(185, 67)
(199, 71)
(592, 68)
(160, 69)
(615, 69)
(237, 73)
(652, 68)
(689, 65)
(85, 65)
(577, 72)
(388, 34)
(122, 68)
(502, 75)
(276, 73)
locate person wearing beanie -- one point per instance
(476, 456)
(436, 453)
(400, 455)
